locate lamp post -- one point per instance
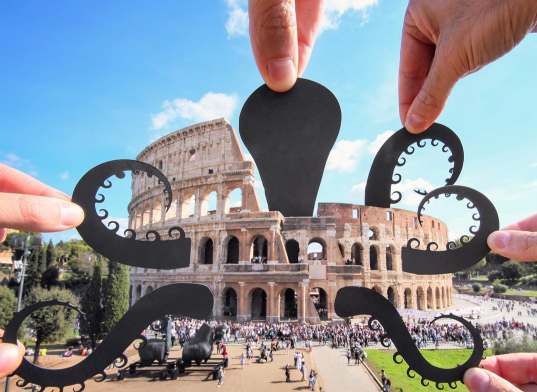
(20, 258)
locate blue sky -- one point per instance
(84, 83)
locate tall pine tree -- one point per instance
(92, 305)
(116, 301)
(51, 254)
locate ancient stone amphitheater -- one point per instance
(259, 264)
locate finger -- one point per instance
(520, 368)
(11, 358)
(273, 34)
(308, 18)
(518, 245)
(433, 95)
(527, 224)
(14, 181)
(479, 380)
(417, 53)
(3, 235)
(38, 213)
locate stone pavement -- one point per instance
(337, 375)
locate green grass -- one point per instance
(524, 293)
(382, 359)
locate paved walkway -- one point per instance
(337, 375)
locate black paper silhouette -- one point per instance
(354, 301)
(166, 300)
(126, 250)
(382, 177)
(290, 136)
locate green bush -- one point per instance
(494, 275)
(8, 304)
(514, 345)
(499, 288)
(476, 287)
(512, 270)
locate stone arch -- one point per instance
(209, 203)
(288, 304)
(146, 214)
(258, 304)
(148, 290)
(373, 234)
(231, 249)
(188, 208)
(292, 248)
(319, 298)
(258, 248)
(421, 299)
(229, 302)
(138, 293)
(373, 257)
(341, 249)
(233, 202)
(157, 211)
(172, 211)
(357, 253)
(392, 295)
(430, 298)
(138, 221)
(390, 256)
(314, 253)
(409, 300)
(438, 299)
(206, 251)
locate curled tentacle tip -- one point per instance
(439, 386)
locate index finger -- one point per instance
(527, 224)
(14, 181)
(520, 368)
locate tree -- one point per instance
(476, 287)
(50, 277)
(499, 288)
(494, 275)
(51, 254)
(8, 304)
(52, 323)
(116, 301)
(512, 270)
(92, 305)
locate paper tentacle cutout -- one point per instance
(471, 251)
(353, 301)
(126, 250)
(290, 136)
(381, 176)
(155, 305)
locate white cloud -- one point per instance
(406, 187)
(335, 9)
(65, 176)
(237, 22)
(210, 106)
(358, 192)
(375, 145)
(345, 155)
(532, 184)
(16, 162)
(534, 164)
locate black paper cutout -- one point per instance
(290, 136)
(354, 301)
(471, 251)
(200, 347)
(126, 250)
(166, 300)
(382, 177)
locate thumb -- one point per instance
(480, 380)
(432, 97)
(518, 245)
(38, 213)
(273, 34)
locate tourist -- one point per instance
(68, 352)
(303, 370)
(312, 380)
(383, 377)
(386, 387)
(349, 356)
(220, 376)
(243, 360)
(287, 373)
(271, 355)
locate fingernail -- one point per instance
(476, 380)
(499, 239)
(415, 123)
(282, 72)
(71, 214)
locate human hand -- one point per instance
(504, 373)
(29, 205)
(282, 34)
(517, 241)
(10, 357)
(443, 41)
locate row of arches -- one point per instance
(187, 207)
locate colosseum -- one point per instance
(259, 264)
